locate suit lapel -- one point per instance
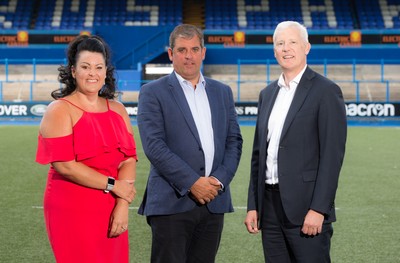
(212, 97)
(180, 99)
(213, 101)
(271, 101)
(269, 104)
(298, 99)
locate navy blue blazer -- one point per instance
(311, 148)
(172, 144)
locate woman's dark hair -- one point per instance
(79, 44)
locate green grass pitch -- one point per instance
(368, 198)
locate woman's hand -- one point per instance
(119, 219)
(125, 189)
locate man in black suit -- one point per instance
(298, 151)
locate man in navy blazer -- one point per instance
(189, 131)
(298, 150)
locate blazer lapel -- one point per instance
(212, 100)
(271, 101)
(181, 101)
(269, 104)
(298, 99)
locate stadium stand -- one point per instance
(242, 14)
(214, 16)
(86, 14)
(210, 14)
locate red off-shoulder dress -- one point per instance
(77, 217)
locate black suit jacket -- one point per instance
(311, 148)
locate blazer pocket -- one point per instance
(309, 176)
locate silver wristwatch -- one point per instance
(110, 184)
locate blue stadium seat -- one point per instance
(370, 14)
(219, 14)
(145, 12)
(318, 14)
(15, 15)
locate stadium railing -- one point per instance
(353, 77)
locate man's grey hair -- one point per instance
(286, 24)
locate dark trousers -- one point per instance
(284, 242)
(189, 237)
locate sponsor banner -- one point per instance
(25, 38)
(354, 38)
(353, 109)
(348, 39)
(243, 109)
(373, 109)
(22, 109)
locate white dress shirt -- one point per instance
(276, 122)
(201, 112)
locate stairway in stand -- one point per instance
(193, 12)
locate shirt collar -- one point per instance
(184, 82)
(296, 80)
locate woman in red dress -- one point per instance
(87, 138)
